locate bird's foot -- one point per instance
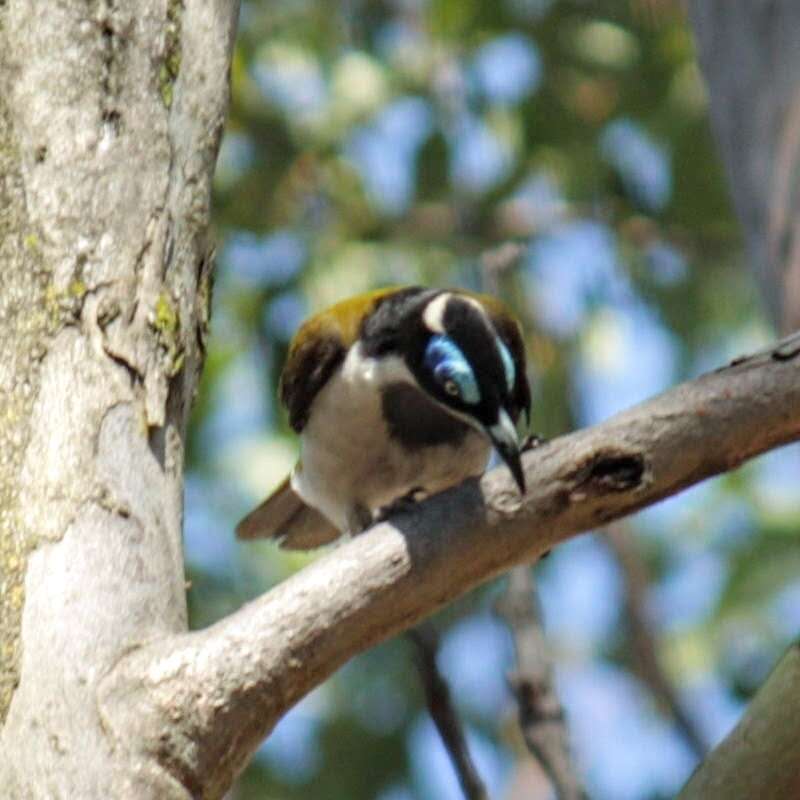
(531, 442)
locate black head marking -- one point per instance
(457, 333)
(468, 326)
(508, 329)
(467, 356)
(407, 321)
(384, 329)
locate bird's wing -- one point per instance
(320, 346)
(311, 362)
(285, 517)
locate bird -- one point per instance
(396, 394)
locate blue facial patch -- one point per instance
(508, 365)
(451, 370)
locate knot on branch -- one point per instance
(607, 472)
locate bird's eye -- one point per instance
(451, 371)
(451, 387)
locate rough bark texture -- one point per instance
(21, 348)
(201, 702)
(749, 55)
(110, 119)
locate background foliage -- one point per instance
(410, 141)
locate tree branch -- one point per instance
(541, 716)
(444, 716)
(214, 694)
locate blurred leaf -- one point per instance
(760, 571)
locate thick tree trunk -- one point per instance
(110, 119)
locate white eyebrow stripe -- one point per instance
(433, 316)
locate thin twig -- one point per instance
(437, 696)
(541, 716)
(642, 640)
(498, 261)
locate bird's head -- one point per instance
(466, 352)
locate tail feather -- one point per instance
(284, 516)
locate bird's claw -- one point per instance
(531, 442)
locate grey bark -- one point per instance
(110, 119)
(749, 55)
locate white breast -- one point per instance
(349, 461)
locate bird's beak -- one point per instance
(503, 435)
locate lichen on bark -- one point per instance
(171, 65)
(104, 271)
(23, 343)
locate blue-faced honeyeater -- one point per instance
(396, 394)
